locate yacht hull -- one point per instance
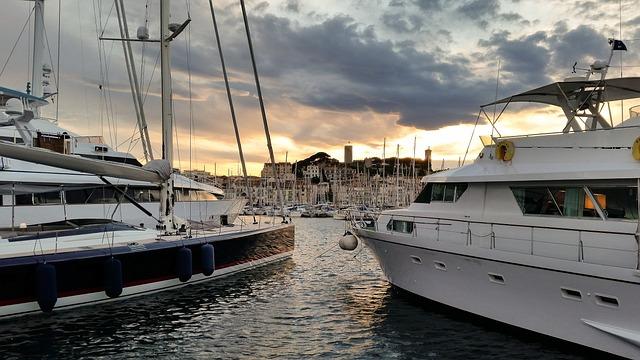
(524, 296)
(147, 269)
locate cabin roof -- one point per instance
(6, 94)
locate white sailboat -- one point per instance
(80, 261)
(541, 231)
(34, 193)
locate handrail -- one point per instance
(515, 225)
(492, 242)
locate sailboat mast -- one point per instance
(165, 66)
(38, 48)
(133, 81)
(166, 189)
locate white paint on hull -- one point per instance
(528, 297)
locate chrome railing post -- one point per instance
(438, 230)
(468, 233)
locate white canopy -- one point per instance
(558, 93)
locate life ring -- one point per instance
(505, 150)
(635, 149)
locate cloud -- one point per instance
(479, 9)
(402, 23)
(539, 58)
(292, 6)
(429, 5)
(338, 65)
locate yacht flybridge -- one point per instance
(540, 231)
(79, 259)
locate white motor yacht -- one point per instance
(541, 231)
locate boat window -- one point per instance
(425, 195)
(52, 197)
(460, 189)
(441, 192)
(402, 226)
(437, 194)
(194, 195)
(616, 202)
(449, 192)
(154, 195)
(24, 199)
(205, 196)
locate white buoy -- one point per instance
(348, 242)
(142, 33)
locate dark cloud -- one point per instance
(525, 58)
(542, 57)
(293, 6)
(403, 23)
(339, 65)
(479, 9)
(429, 5)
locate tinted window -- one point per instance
(24, 199)
(449, 192)
(438, 192)
(400, 226)
(425, 195)
(615, 202)
(52, 197)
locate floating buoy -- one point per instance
(348, 241)
(113, 277)
(207, 259)
(46, 287)
(505, 150)
(184, 264)
(635, 149)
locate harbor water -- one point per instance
(322, 303)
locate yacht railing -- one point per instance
(579, 243)
(506, 137)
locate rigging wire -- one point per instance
(262, 109)
(16, 42)
(232, 111)
(82, 64)
(155, 66)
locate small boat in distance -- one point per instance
(541, 231)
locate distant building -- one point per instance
(283, 169)
(312, 171)
(200, 176)
(427, 158)
(348, 154)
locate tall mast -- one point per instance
(38, 48)
(397, 174)
(133, 81)
(165, 66)
(166, 189)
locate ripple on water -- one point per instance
(322, 303)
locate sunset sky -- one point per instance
(332, 71)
